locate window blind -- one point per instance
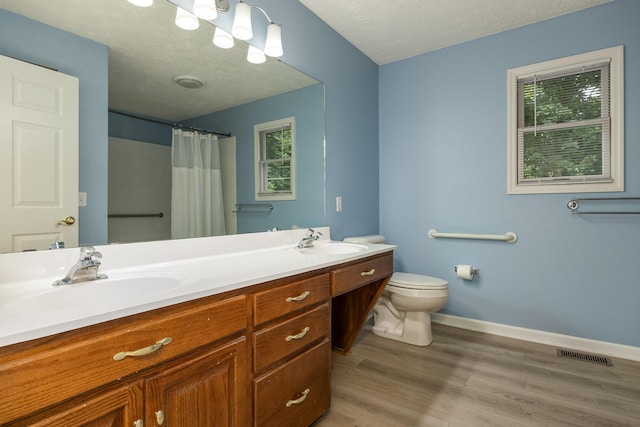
(564, 126)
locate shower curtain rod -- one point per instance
(173, 125)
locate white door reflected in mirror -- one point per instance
(39, 130)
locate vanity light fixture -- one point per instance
(205, 9)
(273, 45)
(186, 20)
(242, 30)
(255, 55)
(222, 39)
(141, 3)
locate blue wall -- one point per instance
(443, 124)
(32, 41)
(126, 127)
(307, 107)
(351, 108)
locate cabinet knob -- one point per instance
(138, 423)
(160, 417)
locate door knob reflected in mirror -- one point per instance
(68, 221)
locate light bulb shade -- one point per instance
(205, 9)
(222, 39)
(255, 55)
(241, 28)
(186, 20)
(273, 45)
(141, 3)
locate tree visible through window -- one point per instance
(567, 127)
(274, 148)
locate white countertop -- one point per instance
(147, 276)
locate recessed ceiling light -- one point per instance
(189, 82)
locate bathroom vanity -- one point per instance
(227, 348)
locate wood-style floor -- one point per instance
(468, 379)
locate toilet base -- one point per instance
(416, 329)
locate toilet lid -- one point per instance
(417, 281)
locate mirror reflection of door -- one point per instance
(38, 157)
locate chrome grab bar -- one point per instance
(574, 205)
(260, 208)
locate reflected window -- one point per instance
(274, 144)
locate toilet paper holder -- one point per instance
(474, 270)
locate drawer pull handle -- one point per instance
(298, 400)
(143, 351)
(300, 297)
(368, 273)
(297, 336)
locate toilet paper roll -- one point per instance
(465, 272)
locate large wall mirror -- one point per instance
(126, 58)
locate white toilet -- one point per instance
(403, 311)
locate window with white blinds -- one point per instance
(565, 121)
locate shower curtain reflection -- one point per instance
(196, 197)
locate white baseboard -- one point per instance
(540, 337)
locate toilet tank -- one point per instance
(372, 238)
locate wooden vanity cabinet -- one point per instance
(80, 378)
(204, 390)
(121, 406)
(292, 352)
(355, 288)
(256, 356)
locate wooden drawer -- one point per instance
(282, 300)
(84, 360)
(296, 393)
(354, 276)
(276, 342)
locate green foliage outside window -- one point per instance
(278, 160)
(557, 141)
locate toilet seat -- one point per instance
(416, 281)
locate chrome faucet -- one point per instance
(85, 269)
(307, 241)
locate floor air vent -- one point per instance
(585, 357)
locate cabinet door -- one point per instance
(209, 389)
(121, 407)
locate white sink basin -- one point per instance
(109, 292)
(333, 248)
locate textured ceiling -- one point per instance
(388, 31)
(146, 50)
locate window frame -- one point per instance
(259, 130)
(615, 57)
